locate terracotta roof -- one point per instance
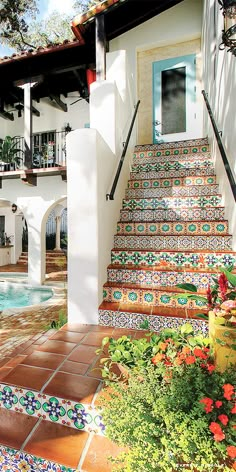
(93, 11)
(66, 44)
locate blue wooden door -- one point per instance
(174, 99)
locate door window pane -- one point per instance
(173, 86)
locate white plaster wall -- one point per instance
(176, 25)
(51, 117)
(219, 78)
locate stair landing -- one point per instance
(48, 396)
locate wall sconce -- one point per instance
(68, 128)
(13, 208)
(229, 32)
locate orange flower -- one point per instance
(157, 358)
(231, 450)
(186, 350)
(210, 367)
(162, 346)
(228, 391)
(198, 353)
(217, 431)
(190, 360)
(208, 402)
(234, 409)
(218, 404)
(223, 419)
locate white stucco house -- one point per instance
(73, 127)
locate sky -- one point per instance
(45, 8)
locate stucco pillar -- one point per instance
(58, 233)
(36, 253)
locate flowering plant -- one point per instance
(221, 298)
(178, 414)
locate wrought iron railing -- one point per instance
(220, 145)
(110, 196)
(46, 153)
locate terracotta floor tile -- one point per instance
(41, 340)
(29, 350)
(15, 361)
(27, 376)
(77, 327)
(69, 336)
(14, 428)
(74, 367)
(4, 360)
(4, 371)
(72, 387)
(57, 443)
(94, 339)
(58, 347)
(85, 354)
(44, 360)
(95, 370)
(102, 329)
(98, 452)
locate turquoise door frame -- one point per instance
(189, 65)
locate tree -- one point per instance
(55, 29)
(14, 17)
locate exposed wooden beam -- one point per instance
(59, 102)
(6, 115)
(82, 84)
(35, 111)
(29, 179)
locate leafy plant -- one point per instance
(221, 297)
(9, 152)
(61, 321)
(178, 416)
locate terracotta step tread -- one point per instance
(157, 311)
(186, 251)
(158, 288)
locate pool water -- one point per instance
(16, 295)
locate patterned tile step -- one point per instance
(172, 145)
(171, 202)
(13, 460)
(123, 316)
(163, 174)
(80, 416)
(173, 228)
(138, 295)
(187, 191)
(172, 182)
(172, 155)
(214, 243)
(159, 278)
(176, 165)
(173, 260)
(183, 214)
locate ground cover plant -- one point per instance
(176, 411)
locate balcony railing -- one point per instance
(46, 153)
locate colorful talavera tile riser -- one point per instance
(173, 182)
(174, 259)
(163, 174)
(198, 190)
(161, 278)
(171, 155)
(173, 145)
(12, 460)
(195, 228)
(131, 320)
(192, 242)
(149, 297)
(172, 202)
(75, 415)
(183, 214)
(175, 165)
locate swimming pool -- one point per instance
(17, 295)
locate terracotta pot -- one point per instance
(224, 354)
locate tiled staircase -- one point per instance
(172, 230)
(55, 260)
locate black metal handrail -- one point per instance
(110, 196)
(220, 145)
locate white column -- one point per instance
(36, 253)
(58, 233)
(28, 125)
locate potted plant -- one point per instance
(221, 303)
(10, 153)
(180, 415)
